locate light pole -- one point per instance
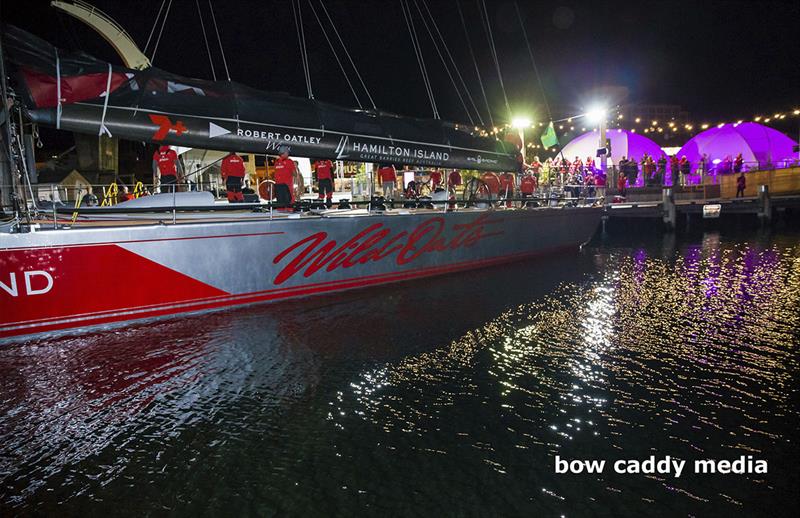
(598, 116)
(520, 123)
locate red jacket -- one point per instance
(324, 169)
(492, 181)
(436, 178)
(284, 171)
(167, 162)
(507, 183)
(528, 184)
(454, 179)
(387, 174)
(232, 165)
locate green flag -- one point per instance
(549, 138)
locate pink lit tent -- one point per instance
(623, 144)
(758, 144)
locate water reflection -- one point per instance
(694, 358)
(451, 395)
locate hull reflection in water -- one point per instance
(451, 396)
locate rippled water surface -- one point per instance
(450, 396)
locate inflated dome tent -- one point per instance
(759, 145)
(623, 144)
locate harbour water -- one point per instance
(448, 396)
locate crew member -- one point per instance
(527, 186)
(388, 177)
(167, 167)
(232, 170)
(436, 179)
(454, 179)
(507, 187)
(492, 181)
(89, 199)
(284, 177)
(325, 170)
(124, 195)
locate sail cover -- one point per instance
(67, 90)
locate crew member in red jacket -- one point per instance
(436, 179)
(232, 170)
(527, 186)
(167, 167)
(284, 177)
(492, 181)
(507, 187)
(325, 170)
(454, 179)
(388, 176)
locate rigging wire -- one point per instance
(301, 38)
(418, 51)
(205, 38)
(493, 51)
(160, 32)
(533, 62)
(475, 62)
(336, 55)
(219, 40)
(444, 63)
(153, 29)
(347, 53)
(453, 62)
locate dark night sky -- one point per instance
(719, 59)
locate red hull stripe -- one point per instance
(140, 241)
(208, 303)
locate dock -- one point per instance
(767, 195)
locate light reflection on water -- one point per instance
(450, 396)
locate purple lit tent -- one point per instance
(623, 144)
(758, 144)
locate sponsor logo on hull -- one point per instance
(376, 243)
(13, 288)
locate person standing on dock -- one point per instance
(741, 184)
(388, 176)
(686, 169)
(232, 170)
(674, 170)
(661, 171)
(167, 168)
(621, 182)
(284, 178)
(737, 163)
(325, 170)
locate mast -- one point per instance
(7, 166)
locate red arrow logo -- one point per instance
(165, 125)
